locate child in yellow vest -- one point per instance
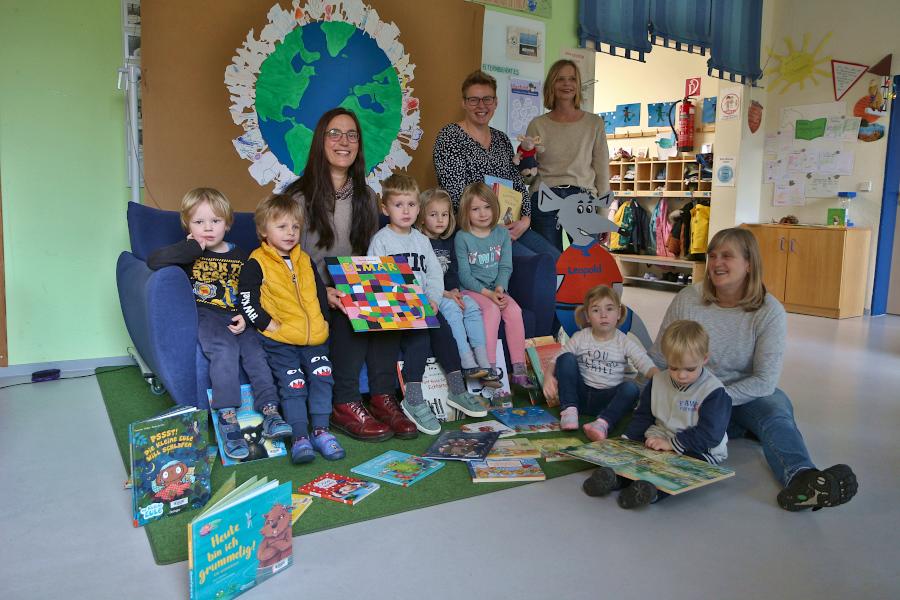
(283, 298)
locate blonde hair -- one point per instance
(478, 77)
(481, 190)
(217, 201)
(398, 184)
(428, 197)
(550, 81)
(274, 207)
(684, 339)
(754, 290)
(597, 294)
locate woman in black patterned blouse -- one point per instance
(466, 151)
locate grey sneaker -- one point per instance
(421, 415)
(235, 446)
(274, 427)
(468, 404)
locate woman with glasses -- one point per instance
(466, 151)
(340, 218)
(575, 157)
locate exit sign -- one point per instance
(691, 87)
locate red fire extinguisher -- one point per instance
(684, 134)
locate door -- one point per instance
(773, 244)
(814, 267)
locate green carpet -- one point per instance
(128, 398)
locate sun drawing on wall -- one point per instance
(307, 60)
(796, 66)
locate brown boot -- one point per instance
(385, 408)
(353, 419)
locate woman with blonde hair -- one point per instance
(747, 328)
(574, 157)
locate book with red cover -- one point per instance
(339, 488)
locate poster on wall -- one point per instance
(609, 121)
(658, 114)
(724, 170)
(628, 115)
(524, 105)
(524, 44)
(844, 76)
(709, 111)
(789, 192)
(729, 105)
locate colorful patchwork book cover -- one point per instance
(514, 448)
(552, 448)
(457, 445)
(669, 472)
(497, 426)
(242, 539)
(505, 470)
(398, 468)
(251, 429)
(381, 293)
(169, 464)
(339, 488)
(528, 419)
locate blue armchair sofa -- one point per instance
(159, 311)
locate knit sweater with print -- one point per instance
(484, 262)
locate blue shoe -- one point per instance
(274, 427)
(327, 445)
(302, 451)
(235, 446)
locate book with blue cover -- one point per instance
(530, 419)
(242, 539)
(252, 430)
(398, 468)
(169, 464)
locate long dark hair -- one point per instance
(319, 193)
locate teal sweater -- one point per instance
(484, 262)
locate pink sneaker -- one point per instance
(568, 419)
(597, 430)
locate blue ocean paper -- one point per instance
(609, 121)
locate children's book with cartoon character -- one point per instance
(339, 488)
(514, 448)
(251, 428)
(241, 539)
(541, 353)
(169, 464)
(505, 470)
(527, 419)
(458, 445)
(497, 426)
(670, 472)
(398, 468)
(551, 448)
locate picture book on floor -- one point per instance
(527, 419)
(541, 352)
(398, 468)
(339, 488)
(514, 448)
(505, 470)
(241, 539)
(252, 430)
(436, 391)
(551, 449)
(669, 472)
(458, 445)
(299, 504)
(497, 426)
(169, 464)
(381, 293)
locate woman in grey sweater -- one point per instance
(747, 328)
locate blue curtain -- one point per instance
(615, 25)
(736, 31)
(682, 24)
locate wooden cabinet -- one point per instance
(815, 270)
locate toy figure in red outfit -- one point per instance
(172, 481)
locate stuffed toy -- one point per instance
(526, 155)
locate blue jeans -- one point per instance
(544, 222)
(530, 243)
(771, 419)
(467, 327)
(610, 403)
(305, 383)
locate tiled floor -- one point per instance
(67, 533)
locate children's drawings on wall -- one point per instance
(709, 111)
(628, 115)
(658, 114)
(797, 65)
(789, 192)
(844, 76)
(609, 121)
(729, 105)
(872, 107)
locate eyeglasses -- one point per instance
(336, 134)
(476, 100)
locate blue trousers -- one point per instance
(305, 383)
(467, 328)
(771, 419)
(531, 243)
(227, 353)
(611, 403)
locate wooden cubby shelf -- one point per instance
(632, 267)
(652, 177)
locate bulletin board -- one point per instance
(186, 47)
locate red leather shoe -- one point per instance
(353, 419)
(386, 409)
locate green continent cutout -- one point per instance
(278, 84)
(380, 128)
(298, 140)
(336, 35)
